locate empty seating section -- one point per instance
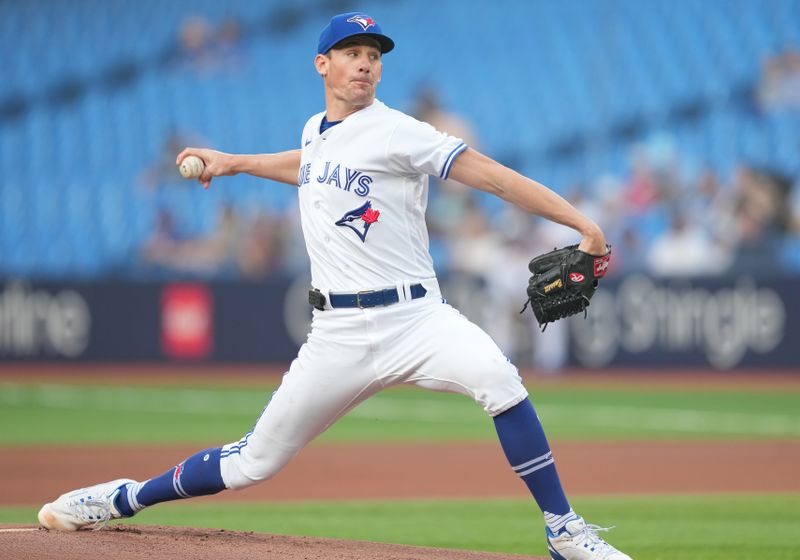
(561, 89)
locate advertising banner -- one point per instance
(639, 321)
(632, 322)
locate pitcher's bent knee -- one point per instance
(244, 466)
(501, 389)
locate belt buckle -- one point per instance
(358, 297)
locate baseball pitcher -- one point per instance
(379, 318)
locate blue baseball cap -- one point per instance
(352, 24)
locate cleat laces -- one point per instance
(589, 537)
(95, 512)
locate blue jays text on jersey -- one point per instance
(338, 176)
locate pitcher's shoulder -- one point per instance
(381, 111)
(313, 122)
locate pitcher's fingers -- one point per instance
(187, 152)
(205, 177)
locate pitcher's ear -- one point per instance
(321, 62)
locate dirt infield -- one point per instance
(167, 543)
(331, 472)
(425, 470)
(31, 476)
(269, 375)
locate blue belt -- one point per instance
(373, 298)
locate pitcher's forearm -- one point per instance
(538, 199)
(481, 172)
(283, 166)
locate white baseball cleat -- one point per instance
(579, 541)
(87, 506)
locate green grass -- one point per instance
(96, 414)
(723, 527)
(729, 527)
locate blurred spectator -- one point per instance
(252, 249)
(506, 278)
(702, 227)
(164, 240)
(629, 253)
(710, 206)
(641, 190)
(610, 208)
(516, 242)
(262, 249)
(706, 200)
(428, 108)
(163, 171)
(550, 347)
(228, 44)
(790, 252)
(762, 216)
(204, 47)
(655, 174)
(473, 242)
(295, 260)
(451, 205)
(206, 256)
(194, 35)
(762, 202)
(779, 87)
(793, 208)
(685, 250)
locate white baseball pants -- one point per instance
(352, 354)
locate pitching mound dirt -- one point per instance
(33, 476)
(135, 543)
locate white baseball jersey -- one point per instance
(363, 193)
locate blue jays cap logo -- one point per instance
(364, 21)
(352, 24)
(360, 219)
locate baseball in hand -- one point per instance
(191, 167)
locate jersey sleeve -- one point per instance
(416, 147)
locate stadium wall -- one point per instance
(633, 322)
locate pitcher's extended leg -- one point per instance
(333, 372)
(527, 450)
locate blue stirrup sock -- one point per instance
(521, 436)
(199, 475)
(526, 448)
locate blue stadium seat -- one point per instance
(563, 71)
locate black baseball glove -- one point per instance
(563, 282)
